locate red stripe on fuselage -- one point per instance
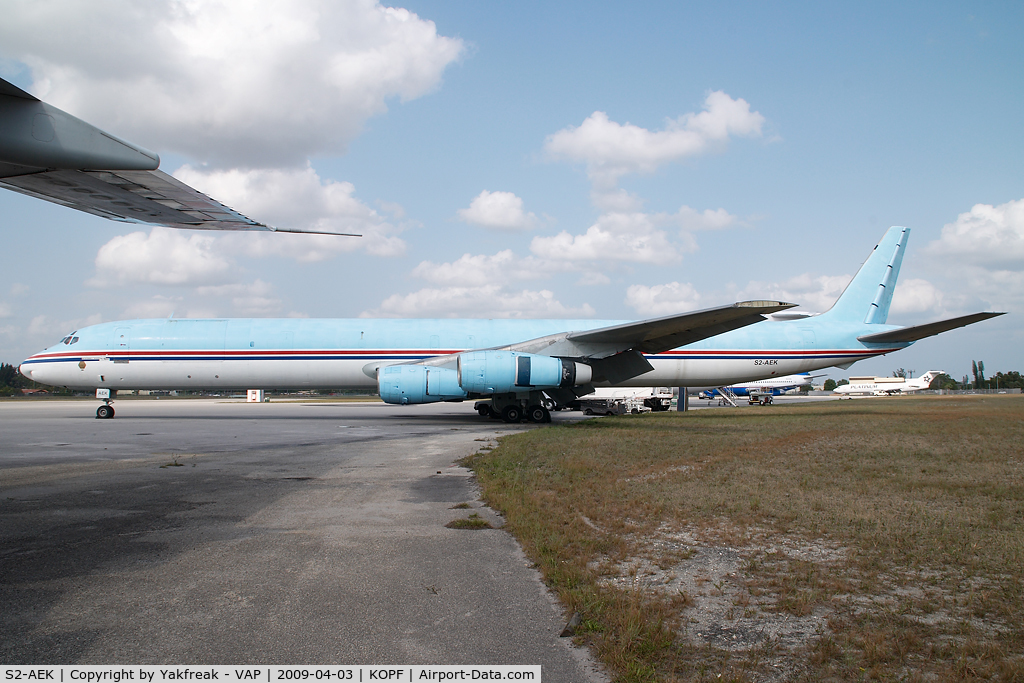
(242, 353)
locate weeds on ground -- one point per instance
(889, 530)
(473, 522)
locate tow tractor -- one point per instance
(761, 398)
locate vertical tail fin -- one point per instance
(868, 296)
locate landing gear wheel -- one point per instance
(104, 412)
(485, 411)
(512, 414)
(538, 414)
(548, 403)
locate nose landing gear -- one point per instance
(105, 411)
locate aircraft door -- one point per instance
(114, 370)
(433, 382)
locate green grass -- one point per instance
(891, 528)
(473, 522)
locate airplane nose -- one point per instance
(25, 370)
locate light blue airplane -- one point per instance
(512, 362)
(49, 154)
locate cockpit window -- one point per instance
(65, 340)
(70, 339)
(74, 340)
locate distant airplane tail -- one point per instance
(868, 296)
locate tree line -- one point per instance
(11, 381)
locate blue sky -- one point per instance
(821, 127)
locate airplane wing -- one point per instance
(137, 197)
(915, 332)
(615, 353)
(49, 154)
(661, 334)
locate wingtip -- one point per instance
(312, 232)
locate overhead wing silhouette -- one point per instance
(49, 154)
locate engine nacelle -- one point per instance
(405, 384)
(503, 372)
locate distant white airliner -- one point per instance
(886, 386)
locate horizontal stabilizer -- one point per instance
(915, 332)
(661, 334)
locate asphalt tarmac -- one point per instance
(220, 532)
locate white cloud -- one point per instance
(616, 200)
(489, 301)
(163, 257)
(690, 219)
(981, 254)
(611, 149)
(624, 232)
(252, 299)
(52, 330)
(591, 278)
(158, 306)
(814, 293)
(916, 296)
(660, 300)
(991, 237)
(210, 301)
(470, 270)
(5, 310)
(629, 237)
(40, 324)
(396, 210)
(501, 210)
(298, 199)
(230, 82)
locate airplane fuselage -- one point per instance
(292, 353)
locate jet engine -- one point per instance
(501, 372)
(405, 384)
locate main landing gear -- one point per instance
(513, 409)
(538, 414)
(513, 413)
